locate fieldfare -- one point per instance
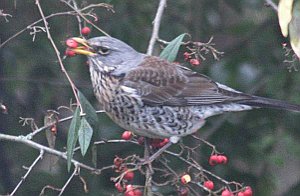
(158, 99)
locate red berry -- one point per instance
(226, 192)
(138, 192)
(185, 179)
(71, 43)
(183, 192)
(85, 30)
(53, 129)
(240, 194)
(118, 161)
(248, 191)
(126, 135)
(195, 62)
(129, 187)
(163, 142)
(209, 184)
(129, 193)
(129, 176)
(70, 53)
(222, 159)
(213, 160)
(186, 55)
(119, 187)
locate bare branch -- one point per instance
(2, 14)
(75, 172)
(23, 178)
(24, 140)
(74, 88)
(156, 25)
(272, 4)
(84, 18)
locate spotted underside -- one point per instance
(160, 103)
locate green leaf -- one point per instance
(73, 136)
(171, 50)
(91, 115)
(84, 135)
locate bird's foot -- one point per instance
(148, 160)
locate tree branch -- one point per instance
(272, 4)
(24, 140)
(23, 178)
(156, 25)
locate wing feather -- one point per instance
(159, 82)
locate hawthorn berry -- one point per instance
(129, 193)
(195, 62)
(129, 175)
(70, 53)
(119, 187)
(185, 179)
(118, 162)
(85, 30)
(213, 160)
(226, 192)
(137, 192)
(209, 184)
(163, 142)
(222, 159)
(240, 194)
(126, 135)
(129, 187)
(248, 191)
(186, 55)
(71, 43)
(53, 129)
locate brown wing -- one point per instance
(159, 82)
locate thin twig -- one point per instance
(75, 172)
(23, 178)
(5, 15)
(156, 25)
(53, 15)
(199, 168)
(74, 88)
(24, 140)
(272, 4)
(83, 17)
(30, 135)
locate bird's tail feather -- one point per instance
(271, 103)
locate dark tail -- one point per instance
(271, 103)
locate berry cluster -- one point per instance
(188, 57)
(246, 192)
(154, 143)
(217, 159)
(126, 175)
(71, 43)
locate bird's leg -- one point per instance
(148, 159)
(147, 155)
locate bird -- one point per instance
(155, 98)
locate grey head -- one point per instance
(113, 55)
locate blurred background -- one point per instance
(263, 145)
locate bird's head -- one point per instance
(109, 54)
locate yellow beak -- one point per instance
(84, 49)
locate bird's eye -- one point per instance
(103, 50)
